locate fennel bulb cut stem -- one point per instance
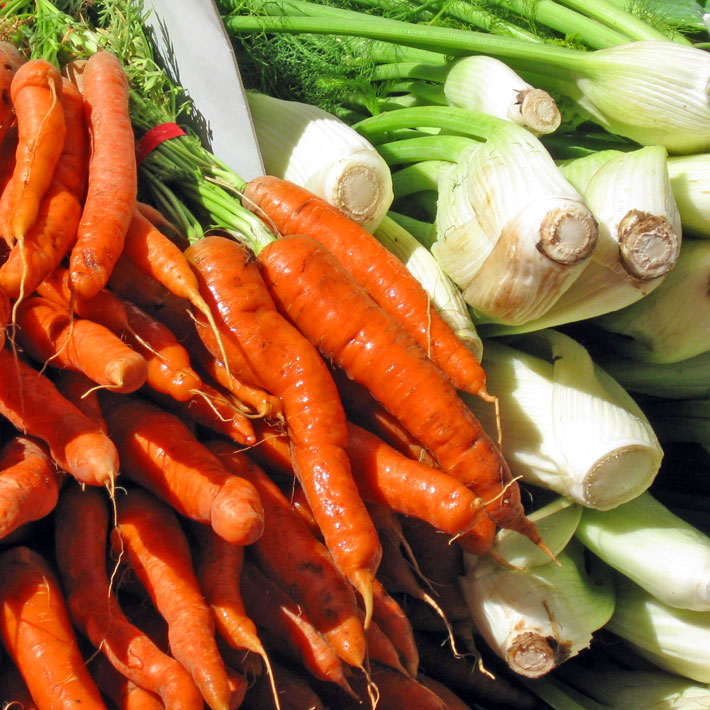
(567, 426)
(537, 618)
(653, 92)
(655, 548)
(314, 149)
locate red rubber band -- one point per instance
(154, 137)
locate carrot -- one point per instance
(161, 222)
(113, 176)
(214, 410)
(383, 475)
(149, 534)
(33, 404)
(130, 283)
(78, 389)
(10, 61)
(156, 255)
(291, 209)
(29, 483)
(54, 231)
(315, 291)
(38, 635)
(288, 629)
(81, 524)
(218, 570)
(160, 453)
(449, 698)
(13, 689)
(294, 693)
(169, 368)
(380, 648)
(5, 315)
(303, 566)
(123, 693)
(35, 93)
(49, 335)
(391, 618)
(290, 367)
(272, 451)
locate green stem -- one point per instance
(423, 232)
(546, 58)
(622, 21)
(418, 177)
(410, 70)
(415, 150)
(566, 22)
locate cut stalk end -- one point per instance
(648, 245)
(568, 234)
(358, 193)
(537, 111)
(531, 655)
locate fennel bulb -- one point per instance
(690, 175)
(655, 548)
(538, 617)
(314, 149)
(511, 231)
(673, 322)
(567, 425)
(677, 640)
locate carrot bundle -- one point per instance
(374, 351)
(291, 368)
(81, 536)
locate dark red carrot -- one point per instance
(29, 483)
(78, 389)
(38, 634)
(149, 534)
(10, 61)
(294, 693)
(113, 176)
(290, 367)
(291, 209)
(33, 404)
(160, 453)
(315, 291)
(289, 630)
(81, 526)
(290, 554)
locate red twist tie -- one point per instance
(154, 137)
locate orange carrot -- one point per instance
(149, 534)
(5, 315)
(212, 409)
(130, 283)
(169, 368)
(291, 209)
(38, 634)
(54, 231)
(29, 483)
(218, 569)
(35, 94)
(291, 555)
(398, 690)
(48, 334)
(272, 451)
(10, 61)
(294, 693)
(33, 404)
(380, 648)
(290, 367)
(349, 328)
(80, 535)
(287, 627)
(161, 222)
(160, 453)
(78, 389)
(383, 475)
(13, 689)
(156, 255)
(113, 176)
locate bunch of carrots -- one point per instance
(241, 461)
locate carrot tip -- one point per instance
(363, 581)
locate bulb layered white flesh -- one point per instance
(656, 93)
(673, 322)
(569, 427)
(655, 548)
(690, 176)
(512, 232)
(312, 148)
(483, 83)
(677, 640)
(537, 618)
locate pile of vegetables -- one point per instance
(317, 439)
